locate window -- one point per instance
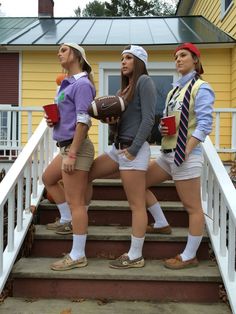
(9, 97)
(225, 7)
(9, 133)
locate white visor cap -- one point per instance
(81, 50)
(138, 52)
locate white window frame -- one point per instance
(224, 10)
(113, 68)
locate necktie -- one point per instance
(183, 126)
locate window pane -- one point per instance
(163, 86)
(227, 3)
(113, 84)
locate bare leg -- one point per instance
(155, 175)
(103, 166)
(51, 176)
(134, 185)
(189, 193)
(75, 185)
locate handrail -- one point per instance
(10, 134)
(219, 203)
(218, 117)
(26, 172)
(218, 193)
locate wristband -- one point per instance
(72, 156)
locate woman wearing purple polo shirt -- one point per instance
(76, 155)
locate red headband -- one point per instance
(189, 46)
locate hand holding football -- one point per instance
(107, 107)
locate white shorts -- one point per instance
(190, 168)
(140, 162)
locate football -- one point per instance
(107, 107)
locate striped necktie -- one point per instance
(183, 126)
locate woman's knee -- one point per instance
(193, 210)
(45, 178)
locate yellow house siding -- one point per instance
(211, 10)
(217, 67)
(234, 77)
(39, 70)
(226, 90)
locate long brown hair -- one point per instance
(84, 66)
(198, 65)
(128, 85)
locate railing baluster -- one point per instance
(28, 184)
(233, 134)
(35, 173)
(222, 227)
(41, 160)
(11, 221)
(210, 192)
(204, 180)
(1, 237)
(14, 130)
(20, 191)
(216, 210)
(231, 248)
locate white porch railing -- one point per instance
(11, 118)
(20, 189)
(219, 115)
(219, 203)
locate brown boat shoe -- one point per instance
(178, 263)
(66, 263)
(161, 230)
(123, 262)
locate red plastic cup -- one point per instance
(52, 112)
(170, 123)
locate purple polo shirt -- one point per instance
(73, 98)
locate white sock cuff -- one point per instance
(154, 206)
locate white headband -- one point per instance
(138, 52)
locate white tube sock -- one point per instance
(65, 212)
(191, 248)
(78, 247)
(136, 247)
(158, 215)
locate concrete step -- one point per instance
(83, 306)
(32, 278)
(112, 189)
(113, 212)
(112, 241)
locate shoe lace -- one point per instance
(123, 257)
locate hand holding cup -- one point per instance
(52, 113)
(169, 124)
